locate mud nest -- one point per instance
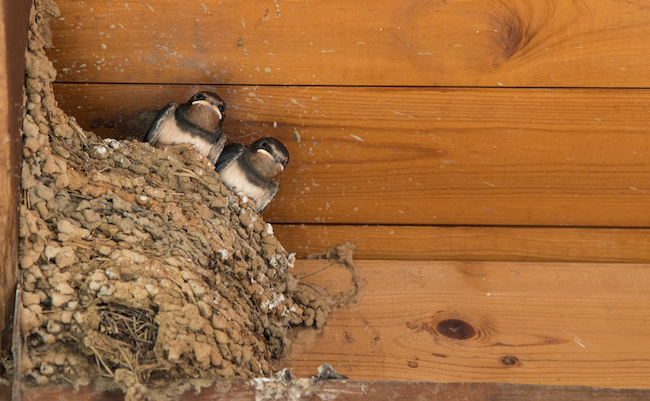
(137, 263)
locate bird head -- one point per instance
(207, 110)
(269, 156)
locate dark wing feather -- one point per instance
(268, 196)
(229, 154)
(217, 148)
(153, 135)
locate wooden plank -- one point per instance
(497, 322)
(472, 243)
(551, 43)
(14, 18)
(412, 156)
(349, 390)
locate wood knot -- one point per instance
(510, 360)
(456, 329)
(456, 326)
(515, 28)
(512, 34)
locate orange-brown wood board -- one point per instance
(426, 156)
(494, 322)
(552, 43)
(551, 244)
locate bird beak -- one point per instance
(205, 102)
(266, 153)
(279, 163)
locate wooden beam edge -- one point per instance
(346, 390)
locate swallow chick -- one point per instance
(197, 121)
(252, 169)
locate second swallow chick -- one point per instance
(252, 169)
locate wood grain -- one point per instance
(14, 18)
(550, 43)
(472, 243)
(493, 322)
(413, 156)
(349, 390)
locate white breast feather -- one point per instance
(234, 178)
(170, 133)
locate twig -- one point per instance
(102, 361)
(316, 272)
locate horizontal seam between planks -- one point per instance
(357, 86)
(461, 226)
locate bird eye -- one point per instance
(199, 96)
(265, 145)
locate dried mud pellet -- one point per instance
(125, 379)
(52, 327)
(98, 152)
(309, 315)
(202, 354)
(59, 359)
(208, 330)
(36, 308)
(66, 317)
(91, 216)
(30, 299)
(46, 369)
(139, 169)
(42, 295)
(36, 271)
(176, 349)
(319, 320)
(59, 299)
(219, 322)
(68, 227)
(140, 294)
(112, 273)
(151, 289)
(221, 337)
(44, 192)
(64, 288)
(63, 260)
(29, 321)
(106, 291)
(204, 309)
(215, 356)
(196, 324)
(225, 352)
(46, 337)
(97, 279)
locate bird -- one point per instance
(252, 169)
(197, 121)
